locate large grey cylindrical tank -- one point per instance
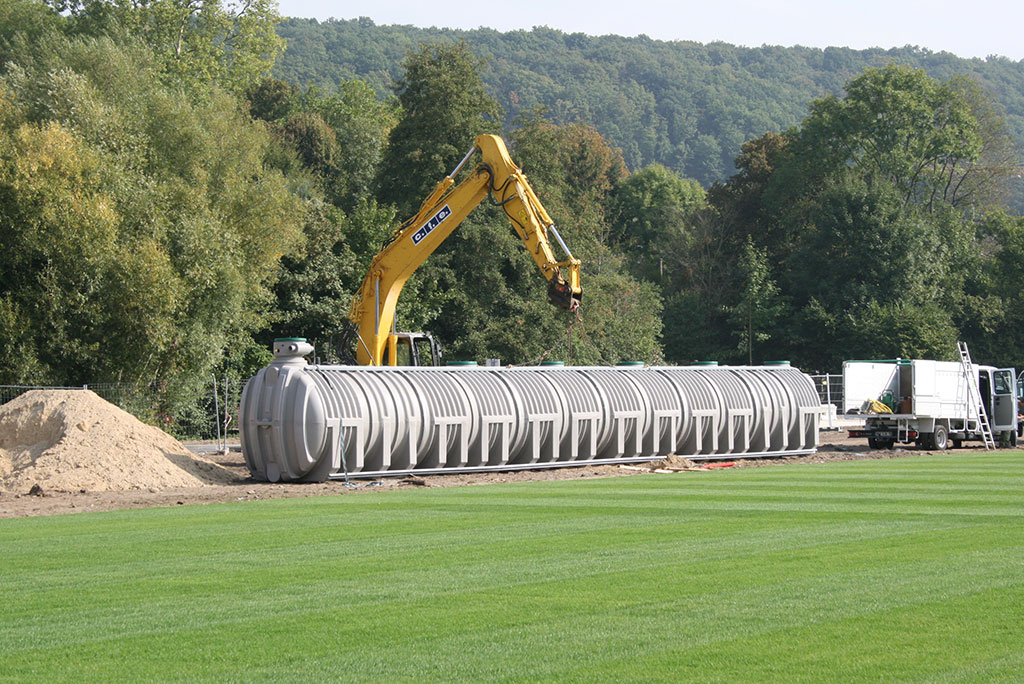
(303, 422)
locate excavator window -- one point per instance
(403, 353)
(413, 349)
(425, 352)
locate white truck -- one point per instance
(932, 403)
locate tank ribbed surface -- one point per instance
(302, 422)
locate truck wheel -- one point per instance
(957, 443)
(940, 438)
(876, 443)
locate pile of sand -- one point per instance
(70, 440)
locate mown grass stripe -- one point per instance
(805, 573)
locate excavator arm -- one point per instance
(373, 308)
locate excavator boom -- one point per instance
(373, 308)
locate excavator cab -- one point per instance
(412, 349)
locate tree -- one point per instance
(24, 20)
(231, 42)
(339, 137)
(444, 107)
(315, 287)
(993, 318)
(868, 205)
(313, 140)
(697, 301)
(868, 259)
(271, 99)
(745, 200)
(141, 230)
(654, 213)
(986, 184)
(759, 307)
(361, 125)
(898, 126)
(876, 185)
(579, 172)
(910, 330)
(578, 175)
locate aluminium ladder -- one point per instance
(974, 402)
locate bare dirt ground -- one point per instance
(233, 483)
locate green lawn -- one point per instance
(906, 569)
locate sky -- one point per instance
(967, 29)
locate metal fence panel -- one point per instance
(214, 418)
(9, 392)
(830, 393)
(830, 388)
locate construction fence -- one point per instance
(830, 393)
(215, 416)
(830, 388)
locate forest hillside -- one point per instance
(682, 104)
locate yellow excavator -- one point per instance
(497, 176)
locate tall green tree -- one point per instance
(330, 145)
(868, 207)
(897, 126)
(362, 125)
(993, 319)
(24, 21)
(230, 42)
(315, 286)
(703, 285)
(760, 306)
(444, 107)
(745, 200)
(337, 136)
(654, 213)
(884, 180)
(271, 99)
(141, 230)
(578, 175)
